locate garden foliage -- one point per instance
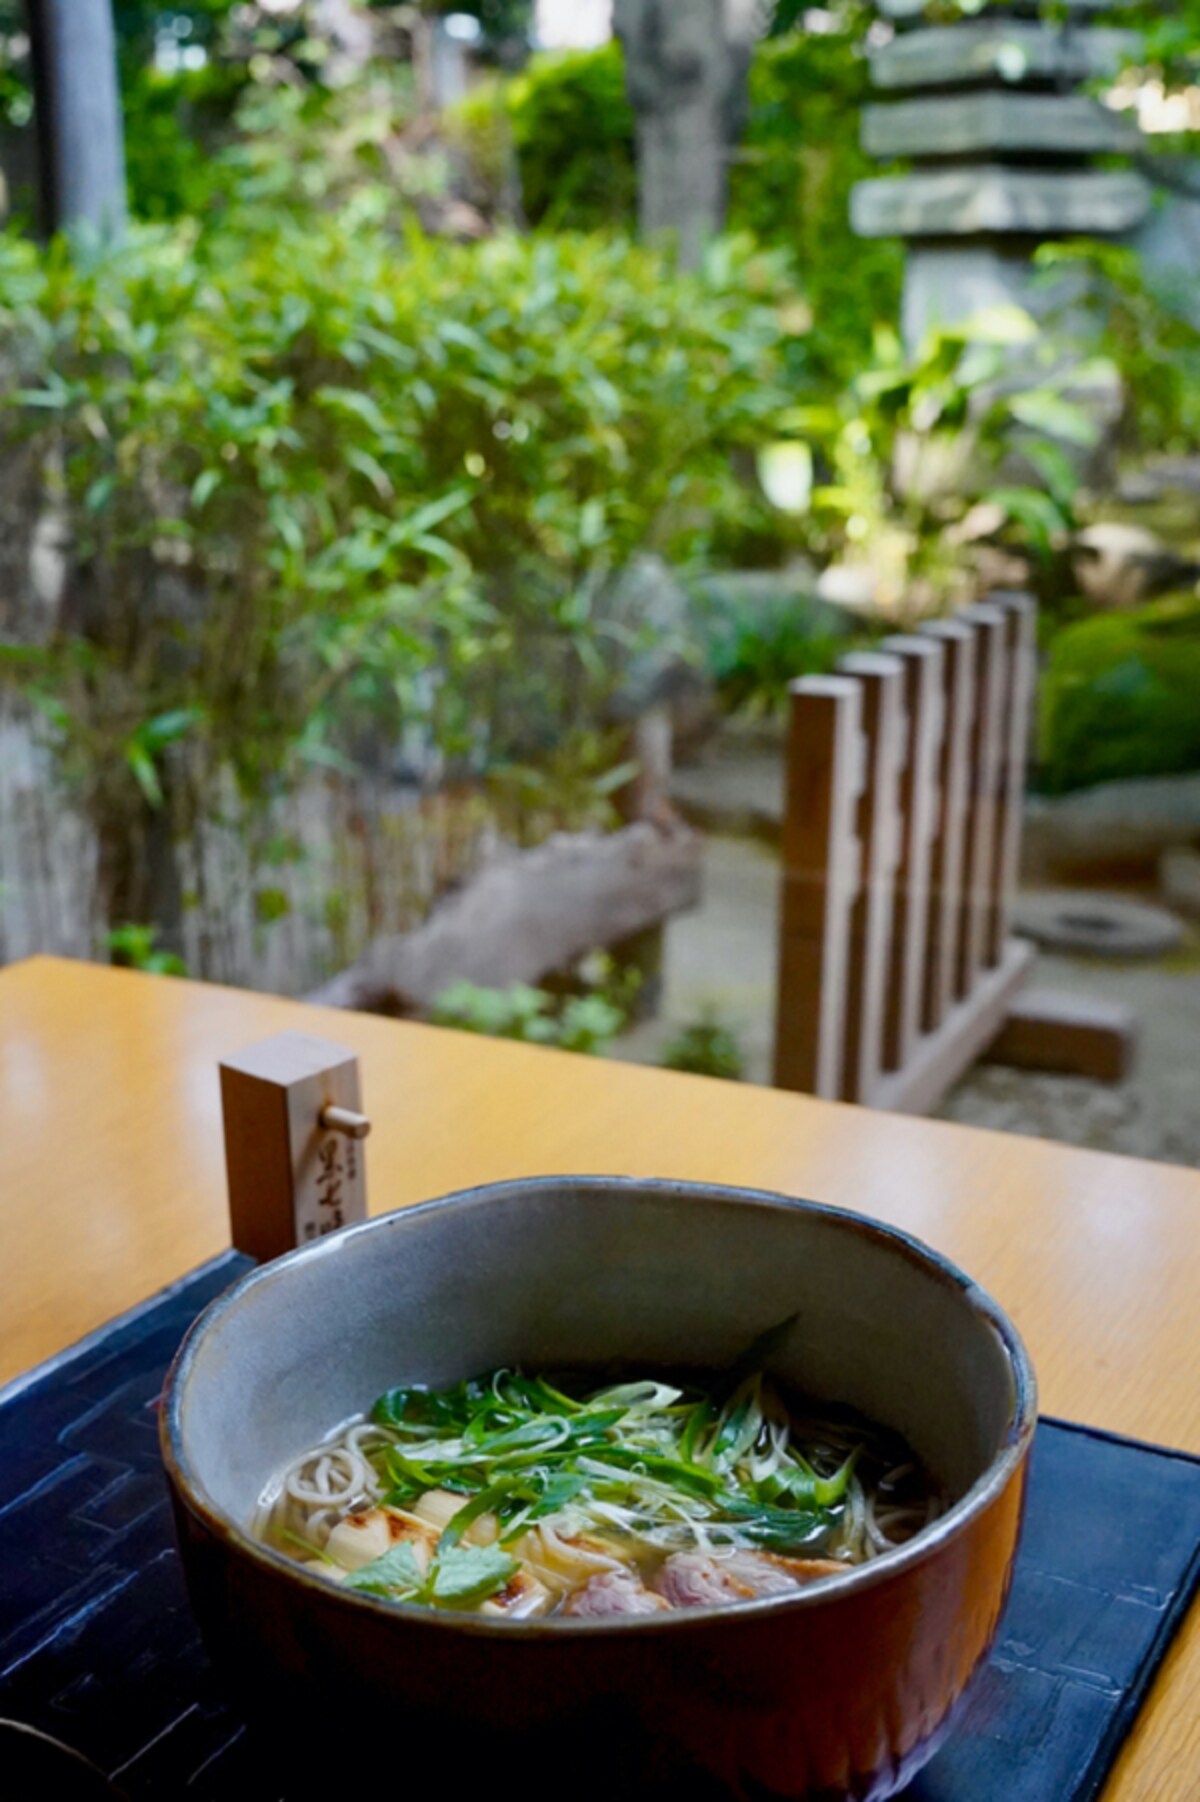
(323, 477)
(585, 1023)
(573, 132)
(572, 128)
(1120, 695)
(706, 1046)
(1148, 324)
(920, 459)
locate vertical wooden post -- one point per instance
(819, 880)
(949, 838)
(922, 660)
(878, 831)
(1020, 631)
(989, 628)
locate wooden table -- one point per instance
(113, 1186)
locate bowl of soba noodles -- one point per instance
(618, 1484)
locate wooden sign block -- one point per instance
(293, 1156)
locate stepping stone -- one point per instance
(1130, 822)
(1083, 920)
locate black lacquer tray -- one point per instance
(97, 1645)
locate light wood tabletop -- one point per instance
(113, 1186)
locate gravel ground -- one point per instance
(723, 956)
(1106, 1118)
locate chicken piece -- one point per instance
(359, 1539)
(614, 1592)
(696, 1580)
(522, 1596)
(699, 1580)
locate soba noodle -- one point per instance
(514, 1496)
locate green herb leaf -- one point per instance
(396, 1573)
(466, 1575)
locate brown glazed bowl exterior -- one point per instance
(842, 1690)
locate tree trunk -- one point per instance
(81, 151)
(686, 63)
(528, 914)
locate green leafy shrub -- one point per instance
(573, 133)
(923, 457)
(174, 124)
(756, 644)
(586, 1023)
(571, 788)
(705, 1047)
(1119, 697)
(572, 128)
(1147, 325)
(790, 185)
(134, 946)
(322, 476)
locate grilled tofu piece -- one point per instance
(361, 1538)
(522, 1596)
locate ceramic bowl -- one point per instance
(841, 1690)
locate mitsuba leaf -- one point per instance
(466, 1575)
(397, 1573)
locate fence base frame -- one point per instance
(1067, 1035)
(942, 1056)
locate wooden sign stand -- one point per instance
(293, 1153)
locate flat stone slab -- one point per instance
(993, 199)
(1128, 823)
(1097, 923)
(995, 123)
(1010, 51)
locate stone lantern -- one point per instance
(991, 114)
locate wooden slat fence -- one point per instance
(905, 777)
